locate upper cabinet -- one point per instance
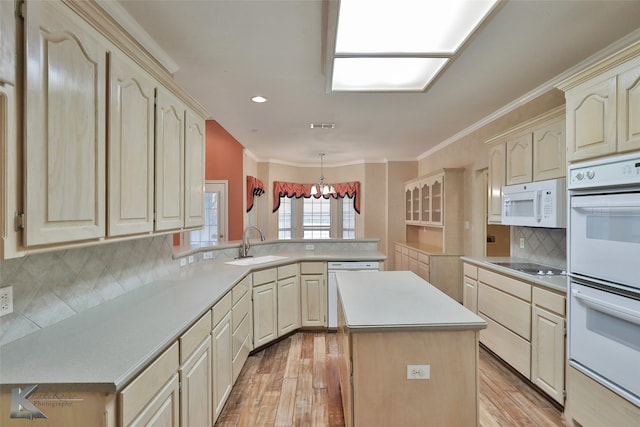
(112, 146)
(603, 106)
(131, 151)
(65, 111)
(532, 151)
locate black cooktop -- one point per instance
(532, 268)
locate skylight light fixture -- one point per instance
(399, 45)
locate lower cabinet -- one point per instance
(152, 399)
(313, 294)
(288, 299)
(470, 287)
(265, 307)
(221, 346)
(242, 324)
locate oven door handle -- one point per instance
(608, 308)
(627, 204)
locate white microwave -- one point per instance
(535, 204)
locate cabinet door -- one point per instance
(437, 214)
(470, 294)
(520, 160)
(425, 202)
(497, 179)
(131, 138)
(549, 152)
(423, 270)
(547, 353)
(7, 42)
(288, 305)
(194, 170)
(265, 314)
(169, 162)
(408, 213)
(314, 300)
(222, 364)
(629, 110)
(65, 116)
(196, 391)
(591, 118)
(9, 175)
(164, 409)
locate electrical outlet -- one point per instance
(309, 247)
(522, 243)
(183, 262)
(6, 300)
(191, 259)
(418, 372)
(207, 255)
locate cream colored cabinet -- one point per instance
(470, 287)
(548, 342)
(520, 159)
(288, 299)
(131, 147)
(505, 304)
(603, 106)
(9, 172)
(496, 180)
(265, 307)
(431, 202)
(423, 266)
(194, 147)
(64, 142)
(313, 294)
(242, 324)
(549, 151)
(170, 113)
(7, 43)
(412, 202)
(153, 398)
(195, 374)
(413, 260)
(221, 354)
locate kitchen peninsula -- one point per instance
(394, 326)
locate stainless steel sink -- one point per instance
(532, 268)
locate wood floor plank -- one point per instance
(295, 383)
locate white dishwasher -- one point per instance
(332, 268)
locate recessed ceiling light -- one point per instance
(259, 99)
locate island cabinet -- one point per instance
(313, 294)
(603, 106)
(415, 363)
(222, 358)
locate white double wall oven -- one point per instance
(604, 272)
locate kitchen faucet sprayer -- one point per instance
(244, 248)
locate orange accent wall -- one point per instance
(224, 161)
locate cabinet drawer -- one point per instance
(190, 340)
(470, 270)
(405, 250)
(241, 288)
(313, 268)
(509, 346)
(511, 286)
(413, 254)
(551, 301)
(240, 335)
(287, 271)
(144, 387)
(423, 258)
(264, 276)
(510, 312)
(221, 309)
(240, 311)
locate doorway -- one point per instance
(216, 203)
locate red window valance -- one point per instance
(290, 189)
(255, 188)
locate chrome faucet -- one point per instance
(244, 248)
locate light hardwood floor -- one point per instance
(295, 383)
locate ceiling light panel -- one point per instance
(407, 26)
(384, 74)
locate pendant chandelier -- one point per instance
(321, 187)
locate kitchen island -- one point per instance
(394, 325)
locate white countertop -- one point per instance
(105, 347)
(558, 283)
(399, 300)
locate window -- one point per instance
(311, 218)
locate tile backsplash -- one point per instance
(543, 245)
(52, 286)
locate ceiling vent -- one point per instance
(322, 125)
